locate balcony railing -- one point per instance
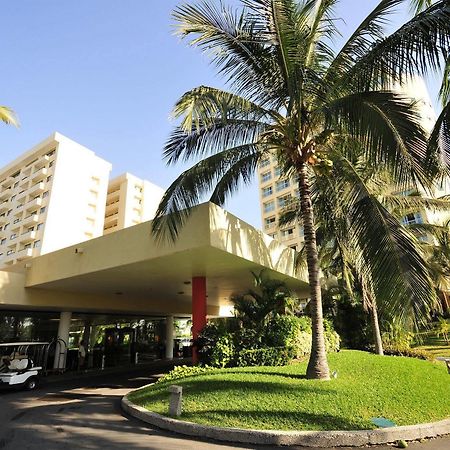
(40, 175)
(37, 188)
(42, 162)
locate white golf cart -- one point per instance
(21, 363)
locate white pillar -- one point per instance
(169, 337)
(63, 333)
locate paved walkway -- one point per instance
(86, 414)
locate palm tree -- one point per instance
(293, 96)
(336, 197)
(8, 116)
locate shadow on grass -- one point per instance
(274, 373)
(287, 420)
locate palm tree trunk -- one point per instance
(318, 364)
(376, 329)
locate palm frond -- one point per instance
(417, 47)
(388, 127)
(191, 187)
(8, 116)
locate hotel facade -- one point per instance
(78, 260)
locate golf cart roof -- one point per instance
(20, 344)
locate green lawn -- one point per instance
(404, 390)
(434, 345)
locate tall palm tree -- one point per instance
(292, 95)
(366, 266)
(8, 116)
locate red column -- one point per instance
(198, 310)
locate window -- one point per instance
(13, 236)
(19, 205)
(264, 163)
(49, 178)
(277, 171)
(294, 247)
(9, 213)
(2, 241)
(411, 219)
(283, 201)
(42, 210)
(269, 206)
(267, 191)
(16, 184)
(16, 220)
(39, 227)
(51, 153)
(51, 164)
(273, 236)
(36, 244)
(26, 246)
(269, 222)
(6, 226)
(287, 233)
(44, 195)
(266, 176)
(12, 198)
(10, 252)
(16, 174)
(282, 184)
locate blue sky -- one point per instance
(106, 73)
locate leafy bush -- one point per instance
(183, 372)
(397, 337)
(405, 351)
(223, 352)
(303, 344)
(332, 338)
(266, 356)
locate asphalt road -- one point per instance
(85, 414)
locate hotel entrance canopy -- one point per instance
(128, 272)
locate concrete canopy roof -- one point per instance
(133, 273)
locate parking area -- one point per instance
(84, 413)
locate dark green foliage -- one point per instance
(266, 356)
(352, 324)
(405, 351)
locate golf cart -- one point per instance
(21, 363)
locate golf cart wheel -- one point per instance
(31, 383)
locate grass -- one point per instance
(434, 345)
(403, 390)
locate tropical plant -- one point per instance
(443, 329)
(8, 116)
(293, 96)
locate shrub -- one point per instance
(332, 338)
(184, 371)
(406, 351)
(303, 344)
(266, 356)
(222, 353)
(397, 336)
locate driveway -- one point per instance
(85, 414)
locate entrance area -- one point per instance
(109, 340)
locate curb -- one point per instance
(289, 438)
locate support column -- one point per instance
(198, 311)
(61, 347)
(169, 337)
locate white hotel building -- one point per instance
(77, 253)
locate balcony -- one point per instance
(4, 207)
(29, 221)
(34, 204)
(37, 189)
(42, 162)
(28, 236)
(21, 196)
(40, 175)
(8, 182)
(3, 219)
(111, 221)
(25, 253)
(24, 182)
(5, 194)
